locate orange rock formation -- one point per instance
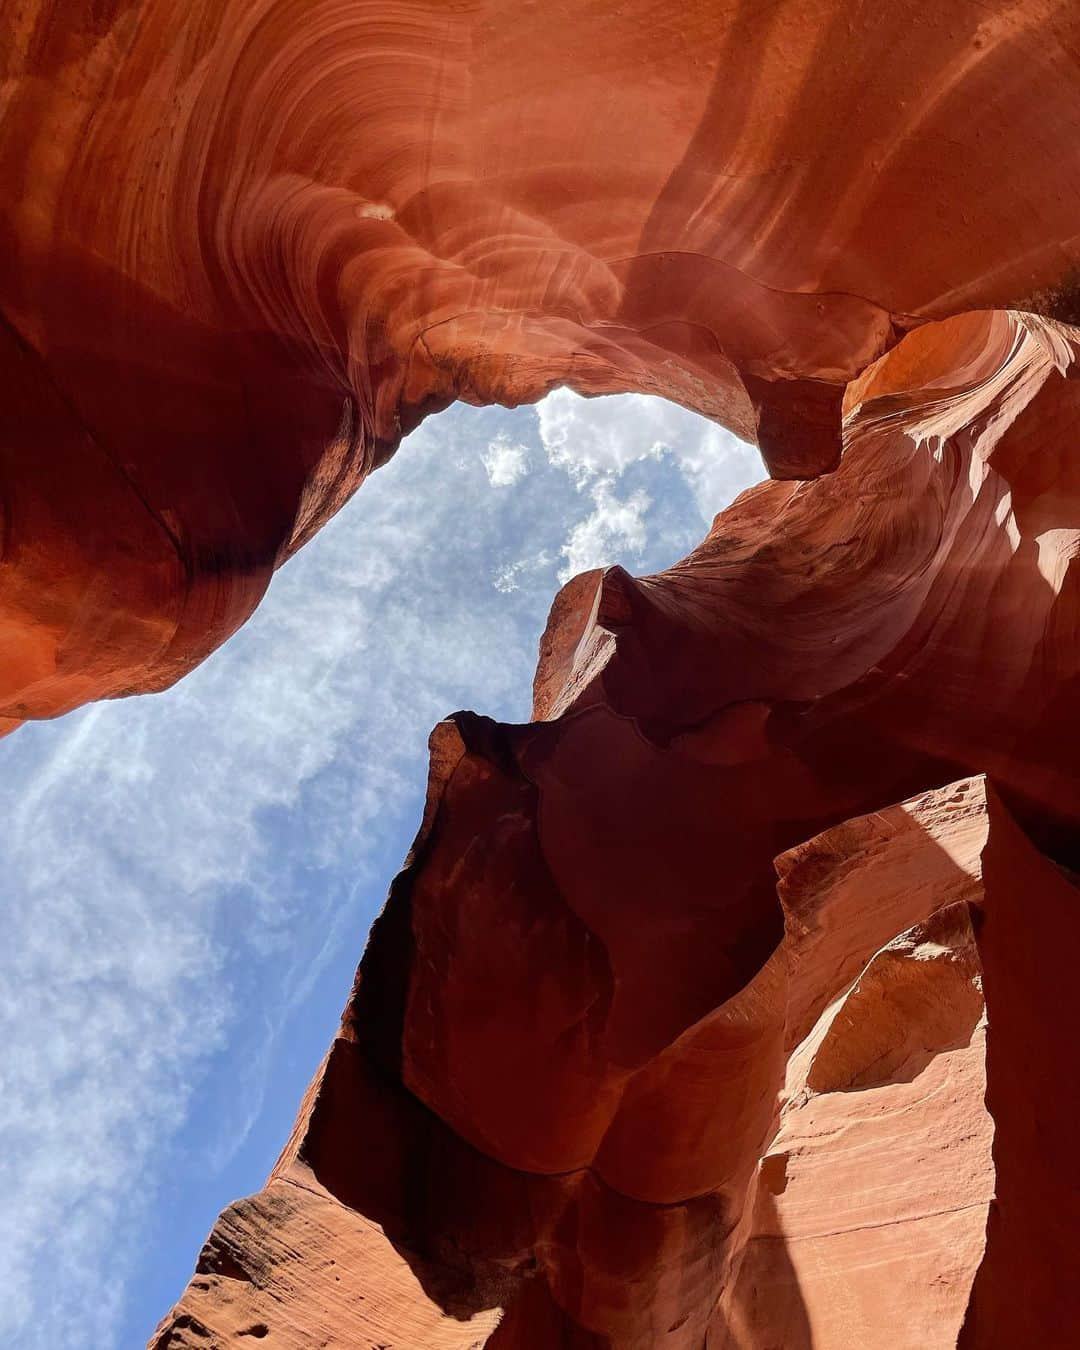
(603, 1082)
(599, 1072)
(247, 243)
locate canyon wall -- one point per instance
(725, 1003)
(675, 1030)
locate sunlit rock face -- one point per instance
(726, 1003)
(247, 243)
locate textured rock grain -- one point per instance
(603, 1083)
(248, 243)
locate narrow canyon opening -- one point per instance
(717, 1004)
(248, 820)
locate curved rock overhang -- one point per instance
(247, 245)
(588, 1088)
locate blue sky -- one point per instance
(189, 877)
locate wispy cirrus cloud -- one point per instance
(615, 528)
(506, 462)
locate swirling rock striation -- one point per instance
(246, 244)
(702, 1013)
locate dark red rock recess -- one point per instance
(728, 1002)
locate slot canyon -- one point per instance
(726, 1003)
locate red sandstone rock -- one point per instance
(903, 993)
(247, 243)
(601, 1083)
(596, 1073)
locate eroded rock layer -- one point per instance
(600, 1072)
(603, 1082)
(247, 243)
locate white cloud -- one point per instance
(505, 462)
(589, 438)
(614, 530)
(509, 576)
(586, 437)
(717, 466)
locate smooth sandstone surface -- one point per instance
(728, 1002)
(246, 244)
